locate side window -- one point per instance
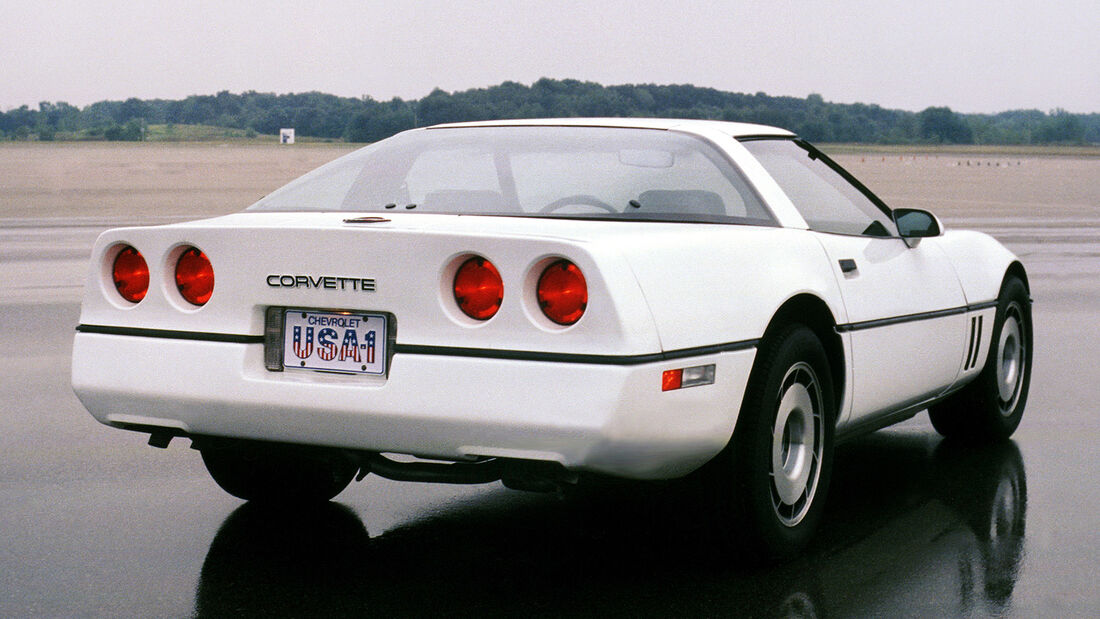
(826, 200)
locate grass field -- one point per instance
(191, 133)
(138, 180)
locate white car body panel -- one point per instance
(892, 280)
(749, 273)
(606, 418)
(975, 256)
(661, 296)
(412, 252)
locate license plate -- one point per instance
(334, 341)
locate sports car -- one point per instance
(542, 301)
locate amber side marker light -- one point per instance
(478, 288)
(195, 276)
(131, 274)
(562, 292)
(682, 378)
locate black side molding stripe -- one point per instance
(416, 349)
(981, 306)
(896, 320)
(173, 335)
(526, 355)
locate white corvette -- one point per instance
(529, 301)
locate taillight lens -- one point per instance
(562, 292)
(195, 276)
(131, 274)
(478, 288)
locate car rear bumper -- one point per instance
(605, 418)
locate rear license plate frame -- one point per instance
(372, 340)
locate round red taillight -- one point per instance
(131, 274)
(478, 288)
(195, 276)
(562, 292)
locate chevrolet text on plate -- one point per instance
(543, 301)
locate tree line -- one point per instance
(364, 119)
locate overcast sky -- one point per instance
(971, 56)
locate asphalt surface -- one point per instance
(95, 523)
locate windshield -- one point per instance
(576, 172)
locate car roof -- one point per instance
(729, 128)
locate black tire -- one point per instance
(274, 473)
(990, 408)
(780, 460)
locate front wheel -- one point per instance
(780, 458)
(274, 473)
(991, 407)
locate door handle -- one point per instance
(847, 265)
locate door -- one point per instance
(906, 321)
(906, 326)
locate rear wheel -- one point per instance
(268, 472)
(991, 407)
(780, 459)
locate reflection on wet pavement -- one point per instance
(915, 526)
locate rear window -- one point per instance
(575, 172)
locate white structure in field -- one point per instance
(286, 136)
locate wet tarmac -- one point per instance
(95, 523)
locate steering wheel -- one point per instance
(582, 199)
